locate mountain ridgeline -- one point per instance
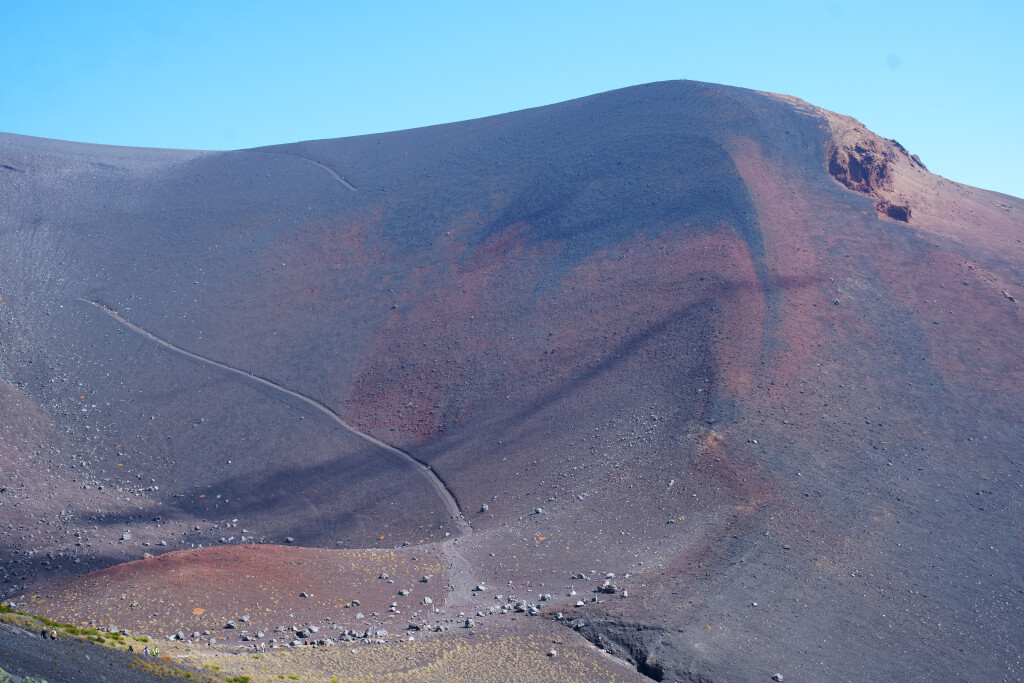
(728, 343)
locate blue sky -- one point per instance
(945, 79)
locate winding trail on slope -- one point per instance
(334, 175)
(440, 487)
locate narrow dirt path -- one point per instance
(334, 175)
(442, 490)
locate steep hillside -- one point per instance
(729, 344)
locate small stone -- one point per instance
(470, 623)
(360, 615)
(383, 576)
(552, 653)
(484, 508)
(126, 536)
(303, 595)
(538, 511)
(404, 591)
(231, 624)
(244, 618)
(777, 677)
(381, 633)
(289, 540)
(428, 601)
(426, 578)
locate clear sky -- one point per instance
(946, 79)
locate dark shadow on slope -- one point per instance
(716, 407)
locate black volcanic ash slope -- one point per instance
(651, 314)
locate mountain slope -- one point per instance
(725, 342)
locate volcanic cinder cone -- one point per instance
(730, 344)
